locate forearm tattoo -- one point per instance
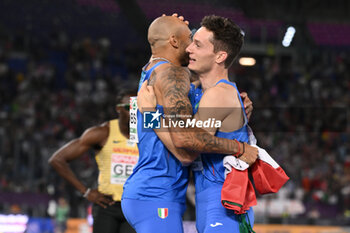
(175, 87)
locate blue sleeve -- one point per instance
(160, 109)
(195, 95)
(192, 95)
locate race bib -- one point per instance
(122, 167)
(133, 120)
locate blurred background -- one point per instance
(62, 63)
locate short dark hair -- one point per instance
(125, 92)
(228, 36)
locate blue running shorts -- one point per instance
(153, 215)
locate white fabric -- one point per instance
(231, 161)
(252, 139)
(264, 156)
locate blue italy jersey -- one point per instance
(158, 175)
(209, 176)
(211, 170)
(195, 95)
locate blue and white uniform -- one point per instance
(209, 176)
(154, 197)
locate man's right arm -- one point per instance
(74, 149)
(173, 84)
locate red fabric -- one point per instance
(250, 198)
(238, 192)
(266, 178)
(235, 183)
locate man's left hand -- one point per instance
(179, 17)
(248, 104)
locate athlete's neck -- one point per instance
(124, 126)
(210, 78)
(167, 54)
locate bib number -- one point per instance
(133, 120)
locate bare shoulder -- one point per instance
(156, 73)
(229, 94)
(219, 96)
(171, 89)
(96, 134)
(174, 72)
(173, 78)
(167, 74)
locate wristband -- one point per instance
(86, 193)
(243, 150)
(238, 152)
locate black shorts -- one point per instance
(110, 220)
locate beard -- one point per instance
(184, 59)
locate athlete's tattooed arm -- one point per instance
(174, 85)
(147, 101)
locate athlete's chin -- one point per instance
(191, 66)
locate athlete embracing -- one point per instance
(154, 195)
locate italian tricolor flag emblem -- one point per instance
(163, 212)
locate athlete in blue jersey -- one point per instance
(208, 170)
(154, 195)
(213, 50)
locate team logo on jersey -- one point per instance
(163, 212)
(216, 224)
(151, 120)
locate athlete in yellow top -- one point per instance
(115, 157)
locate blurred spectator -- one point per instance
(15, 209)
(62, 214)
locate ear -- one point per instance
(174, 41)
(221, 57)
